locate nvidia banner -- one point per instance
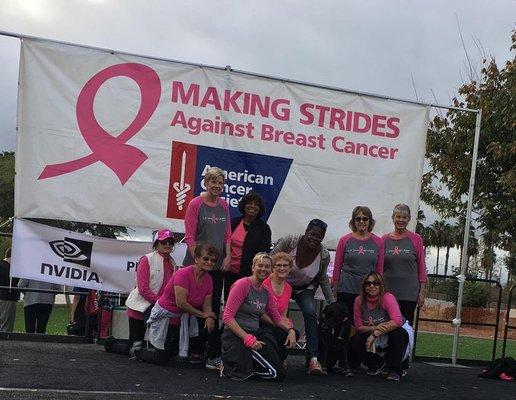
(125, 140)
(54, 255)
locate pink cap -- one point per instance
(164, 234)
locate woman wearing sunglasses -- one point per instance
(358, 253)
(207, 219)
(404, 267)
(152, 275)
(311, 259)
(247, 349)
(380, 329)
(183, 313)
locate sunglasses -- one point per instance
(212, 259)
(372, 283)
(167, 241)
(361, 219)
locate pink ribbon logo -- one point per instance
(396, 251)
(361, 250)
(113, 151)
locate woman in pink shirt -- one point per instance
(152, 275)
(281, 291)
(248, 350)
(380, 328)
(186, 303)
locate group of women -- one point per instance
(234, 258)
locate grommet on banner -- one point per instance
(228, 68)
(456, 321)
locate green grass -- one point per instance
(59, 318)
(440, 345)
(428, 344)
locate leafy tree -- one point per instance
(6, 186)
(7, 209)
(449, 152)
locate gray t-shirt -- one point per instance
(30, 298)
(400, 270)
(360, 257)
(211, 227)
(248, 315)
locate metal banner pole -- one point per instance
(462, 276)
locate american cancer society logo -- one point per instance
(244, 172)
(73, 250)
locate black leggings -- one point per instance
(214, 346)
(397, 339)
(36, 317)
(408, 309)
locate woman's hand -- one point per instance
(209, 324)
(291, 339)
(257, 345)
(369, 342)
(226, 262)
(421, 299)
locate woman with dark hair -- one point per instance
(311, 259)
(404, 267)
(358, 253)
(247, 349)
(207, 219)
(250, 235)
(380, 329)
(152, 275)
(183, 313)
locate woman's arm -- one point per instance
(207, 310)
(143, 281)
(191, 216)
(181, 295)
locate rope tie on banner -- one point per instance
(121, 158)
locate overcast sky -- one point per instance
(371, 46)
(390, 47)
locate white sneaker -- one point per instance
(213, 363)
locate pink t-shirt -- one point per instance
(283, 299)
(237, 242)
(185, 278)
(143, 281)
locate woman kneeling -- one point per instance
(186, 301)
(247, 349)
(380, 328)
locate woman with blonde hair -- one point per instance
(358, 253)
(247, 349)
(207, 219)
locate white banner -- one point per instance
(54, 255)
(125, 140)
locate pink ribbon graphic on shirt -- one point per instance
(361, 250)
(121, 158)
(396, 251)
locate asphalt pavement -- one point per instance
(31, 370)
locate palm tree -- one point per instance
(437, 238)
(449, 242)
(459, 239)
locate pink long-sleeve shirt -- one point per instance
(143, 281)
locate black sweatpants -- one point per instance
(36, 317)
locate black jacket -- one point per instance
(6, 294)
(258, 238)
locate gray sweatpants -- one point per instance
(7, 315)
